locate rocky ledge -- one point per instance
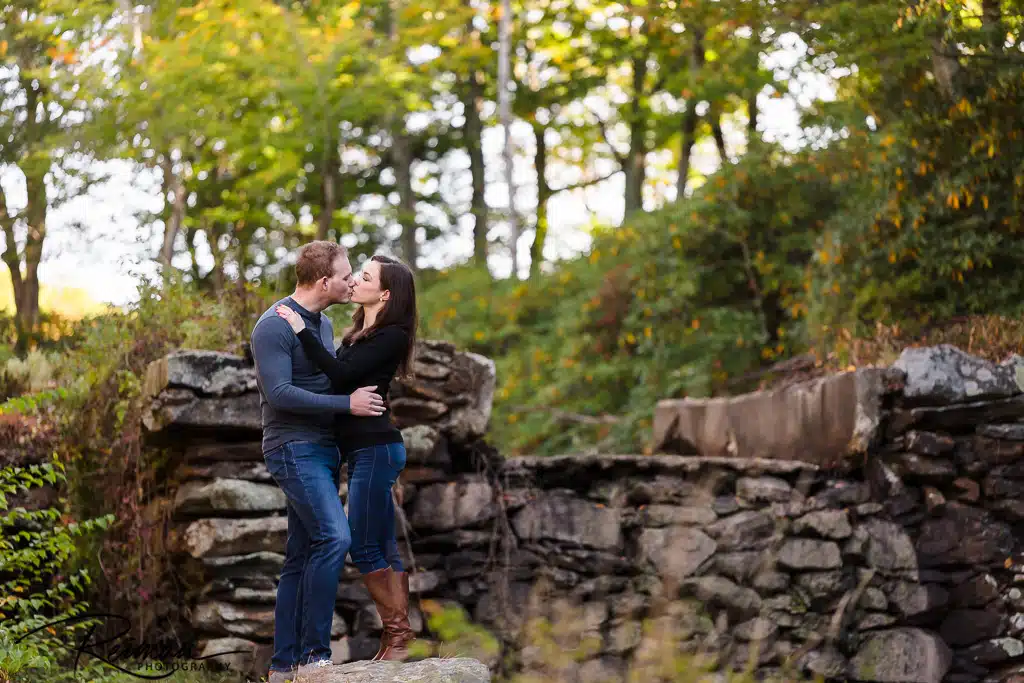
(460, 670)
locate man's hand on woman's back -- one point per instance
(365, 403)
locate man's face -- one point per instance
(339, 286)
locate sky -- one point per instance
(95, 246)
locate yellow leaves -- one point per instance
(456, 296)
(922, 168)
(695, 324)
(892, 257)
(824, 257)
(3, 48)
(953, 200)
(478, 335)
(648, 332)
(888, 140)
(595, 256)
(984, 201)
(677, 243)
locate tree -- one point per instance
(49, 81)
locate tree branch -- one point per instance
(608, 141)
(585, 183)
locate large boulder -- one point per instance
(902, 655)
(818, 422)
(943, 374)
(226, 496)
(435, 670)
(216, 537)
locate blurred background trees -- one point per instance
(701, 188)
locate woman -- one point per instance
(378, 346)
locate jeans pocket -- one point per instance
(396, 456)
(277, 462)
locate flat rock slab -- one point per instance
(819, 422)
(943, 374)
(435, 670)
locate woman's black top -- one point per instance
(371, 360)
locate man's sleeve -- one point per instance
(271, 350)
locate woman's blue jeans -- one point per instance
(318, 538)
(372, 472)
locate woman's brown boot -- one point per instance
(397, 632)
(378, 583)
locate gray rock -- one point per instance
(995, 651)
(873, 599)
(568, 519)
(237, 654)
(210, 373)
(889, 547)
(675, 552)
(875, 620)
(824, 585)
(220, 496)
(1004, 432)
(912, 599)
(453, 505)
(183, 410)
(826, 663)
(804, 553)
(224, 618)
(901, 655)
(963, 535)
(220, 537)
(764, 490)
(476, 376)
(756, 629)
(825, 523)
(434, 670)
(670, 515)
(770, 582)
(422, 446)
(718, 591)
(242, 566)
(249, 471)
(967, 627)
(944, 374)
(746, 529)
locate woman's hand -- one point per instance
(293, 318)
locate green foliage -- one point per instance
(673, 303)
(457, 636)
(101, 418)
(35, 549)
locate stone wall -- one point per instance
(884, 546)
(230, 522)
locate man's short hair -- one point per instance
(316, 260)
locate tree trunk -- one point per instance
(505, 117)
(636, 157)
(474, 132)
(751, 119)
(688, 136)
(715, 120)
(328, 190)
(690, 118)
(401, 157)
(540, 163)
(172, 184)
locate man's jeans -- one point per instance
(318, 539)
(371, 474)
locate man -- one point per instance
(301, 454)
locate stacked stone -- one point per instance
(780, 555)
(950, 474)
(231, 523)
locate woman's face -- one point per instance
(367, 291)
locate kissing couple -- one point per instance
(318, 406)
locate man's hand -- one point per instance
(365, 403)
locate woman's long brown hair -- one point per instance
(399, 309)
